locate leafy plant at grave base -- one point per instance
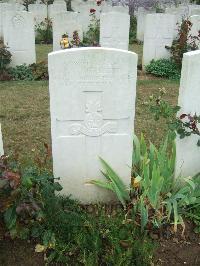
(21, 72)
(64, 231)
(164, 68)
(162, 198)
(5, 59)
(23, 193)
(44, 32)
(39, 71)
(114, 183)
(156, 197)
(184, 43)
(133, 29)
(185, 125)
(193, 213)
(91, 37)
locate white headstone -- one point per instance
(92, 104)
(19, 36)
(195, 11)
(1, 143)
(56, 8)
(114, 30)
(1, 20)
(187, 151)
(4, 7)
(39, 12)
(159, 29)
(180, 14)
(195, 20)
(66, 22)
(141, 22)
(108, 8)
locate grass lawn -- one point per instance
(138, 49)
(42, 51)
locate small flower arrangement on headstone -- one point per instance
(65, 43)
(76, 42)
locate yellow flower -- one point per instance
(39, 248)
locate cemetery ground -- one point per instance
(25, 122)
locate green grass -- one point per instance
(24, 114)
(138, 49)
(42, 51)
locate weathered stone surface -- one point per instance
(187, 151)
(159, 29)
(19, 36)
(92, 103)
(114, 30)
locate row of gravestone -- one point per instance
(41, 11)
(180, 12)
(92, 106)
(19, 35)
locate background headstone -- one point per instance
(1, 143)
(114, 30)
(39, 12)
(66, 22)
(92, 105)
(195, 28)
(187, 151)
(159, 29)
(56, 8)
(141, 16)
(19, 36)
(180, 13)
(4, 7)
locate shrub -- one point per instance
(5, 59)
(156, 197)
(184, 43)
(91, 37)
(183, 125)
(39, 71)
(44, 32)
(133, 29)
(21, 72)
(164, 68)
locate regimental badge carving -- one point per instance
(93, 124)
(18, 21)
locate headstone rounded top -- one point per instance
(92, 49)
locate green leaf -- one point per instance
(115, 179)
(10, 217)
(101, 184)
